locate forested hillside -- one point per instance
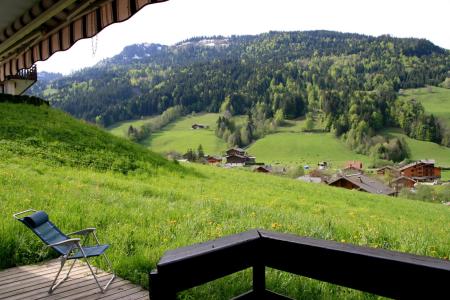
(351, 80)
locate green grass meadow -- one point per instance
(142, 216)
(287, 148)
(436, 100)
(179, 136)
(120, 129)
(157, 205)
(423, 149)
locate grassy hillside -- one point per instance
(435, 100)
(303, 148)
(424, 150)
(44, 133)
(121, 128)
(179, 136)
(143, 214)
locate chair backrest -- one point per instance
(39, 223)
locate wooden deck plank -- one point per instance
(34, 273)
(114, 289)
(142, 295)
(88, 285)
(35, 283)
(18, 269)
(32, 283)
(127, 294)
(96, 294)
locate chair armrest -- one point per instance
(22, 212)
(83, 231)
(68, 241)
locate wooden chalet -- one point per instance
(363, 183)
(213, 160)
(199, 126)
(402, 182)
(351, 171)
(309, 178)
(421, 171)
(235, 151)
(354, 164)
(236, 159)
(262, 169)
(388, 170)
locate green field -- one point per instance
(121, 128)
(179, 136)
(436, 102)
(160, 205)
(303, 148)
(424, 150)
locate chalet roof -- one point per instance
(403, 177)
(307, 178)
(265, 168)
(33, 30)
(366, 183)
(236, 149)
(420, 162)
(237, 155)
(387, 167)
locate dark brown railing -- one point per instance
(25, 74)
(378, 271)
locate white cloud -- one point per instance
(175, 20)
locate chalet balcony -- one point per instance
(17, 84)
(378, 271)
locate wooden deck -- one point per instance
(33, 282)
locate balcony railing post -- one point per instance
(158, 288)
(259, 279)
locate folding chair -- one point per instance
(69, 248)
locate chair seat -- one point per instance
(89, 251)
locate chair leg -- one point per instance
(54, 286)
(110, 269)
(102, 289)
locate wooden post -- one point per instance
(259, 279)
(158, 289)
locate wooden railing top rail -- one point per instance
(383, 272)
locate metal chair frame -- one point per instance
(74, 245)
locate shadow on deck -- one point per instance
(32, 282)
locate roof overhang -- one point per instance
(32, 30)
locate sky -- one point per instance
(176, 20)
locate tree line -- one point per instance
(350, 80)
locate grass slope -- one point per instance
(436, 102)
(45, 133)
(179, 136)
(303, 148)
(424, 150)
(143, 214)
(120, 129)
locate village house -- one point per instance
(236, 159)
(356, 164)
(262, 169)
(351, 170)
(402, 182)
(213, 160)
(421, 171)
(199, 126)
(389, 170)
(322, 165)
(363, 183)
(236, 151)
(309, 178)
(238, 156)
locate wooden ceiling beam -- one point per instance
(53, 10)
